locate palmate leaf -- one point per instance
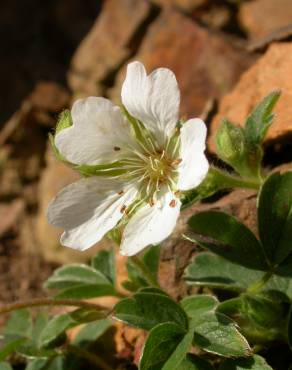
(208, 269)
(216, 333)
(212, 270)
(104, 262)
(80, 281)
(146, 310)
(58, 325)
(21, 334)
(178, 355)
(73, 275)
(196, 305)
(227, 237)
(162, 341)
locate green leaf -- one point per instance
(146, 310)
(73, 275)
(19, 323)
(57, 363)
(5, 366)
(160, 344)
(255, 362)
(261, 118)
(86, 291)
(58, 325)
(91, 332)
(192, 362)
(179, 354)
(198, 304)
(150, 289)
(275, 216)
(216, 333)
(9, 345)
(212, 270)
(262, 311)
(227, 237)
(208, 269)
(30, 352)
(55, 327)
(21, 335)
(41, 321)
(104, 262)
(289, 328)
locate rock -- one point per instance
(107, 45)
(272, 71)
(10, 214)
(262, 17)
(184, 5)
(206, 65)
(49, 96)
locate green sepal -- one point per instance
(230, 144)
(64, 121)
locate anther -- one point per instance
(172, 203)
(176, 162)
(151, 202)
(117, 148)
(123, 209)
(121, 192)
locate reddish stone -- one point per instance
(262, 17)
(271, 72)
(107, 45)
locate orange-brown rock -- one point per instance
(185, 5)
(106, 46)
(206, 65)
(272, 71)
(262, 17)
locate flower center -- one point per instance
(158, 168)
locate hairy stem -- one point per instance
(38, 302)
(145, 271)
(233, 181)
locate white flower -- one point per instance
(140, 159)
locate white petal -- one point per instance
(88, 209)
(194, 165)
(153, 99)
(150, 225)
(99, 133)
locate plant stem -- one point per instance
(38, 302)
(232, 181)
(257, 286)
(145, 271)
(91, 357)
